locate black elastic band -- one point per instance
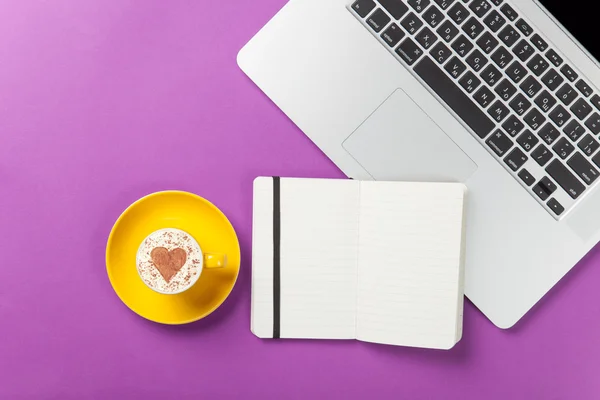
(276, 255)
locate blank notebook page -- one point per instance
(410, 264)
(319, 238)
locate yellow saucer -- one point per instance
(188, 212)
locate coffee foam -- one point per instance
(170, 239)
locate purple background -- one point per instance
(104, 101)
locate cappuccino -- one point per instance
(169, 261)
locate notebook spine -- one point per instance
(276, 256)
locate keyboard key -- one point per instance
(509, 35)
(454, 97)
(378, 20)
(426, 38)
(494, 21)
(548, 185)
(484, 97)
(573, 130)
(539, 42)
(363, 7)
(515, 159)
(476, 60)
(593, 123)
(433, 16)
(541, 191)
(509, 12)
(581, 109)
(555, 206)
(458, 13)
(516, 72)
(411, 23)
(538, 65)
(523, 50)
(534, 119)
(462, 45)
(519, 104)
(526, 177)
(559, 115)
(409, 51)
(545, 101)
(418, 5)
(392, 35)
(455, 67)
(472, 28)
(524, 27)
(596, 159)
(480, 7)
(554, 57)
(549, 133)
(566, 94)
(588, 145)
(527, 140)
(552, 79)
(469, 82)
(447, 31)
(505, 90)
(487, 42)
(499, 143)
(497, 2)
(569, 73)
(563, 148)
(596, 101)
(583, 168)
(498, 111)
(444, 3)
(565, 179)
(583, 88)
(491, 75)
(513, 126)
(502, 57)
(396, 8)
(530, 86)
(541, 155)
(440, 53)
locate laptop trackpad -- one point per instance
(399, 141)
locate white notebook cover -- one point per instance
(375, 261)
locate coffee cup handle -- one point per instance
(213, 260)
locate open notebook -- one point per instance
(375, 261)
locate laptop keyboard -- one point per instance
(522, 99)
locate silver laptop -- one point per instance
(502, 95)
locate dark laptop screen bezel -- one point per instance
(578, 21)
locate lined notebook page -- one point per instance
(319, 238)
(409, 264)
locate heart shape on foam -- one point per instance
(168, 263)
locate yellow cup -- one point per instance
(170, 261)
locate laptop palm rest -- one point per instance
(399, 141)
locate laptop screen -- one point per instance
(581, 24)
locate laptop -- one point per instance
(502, 95)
